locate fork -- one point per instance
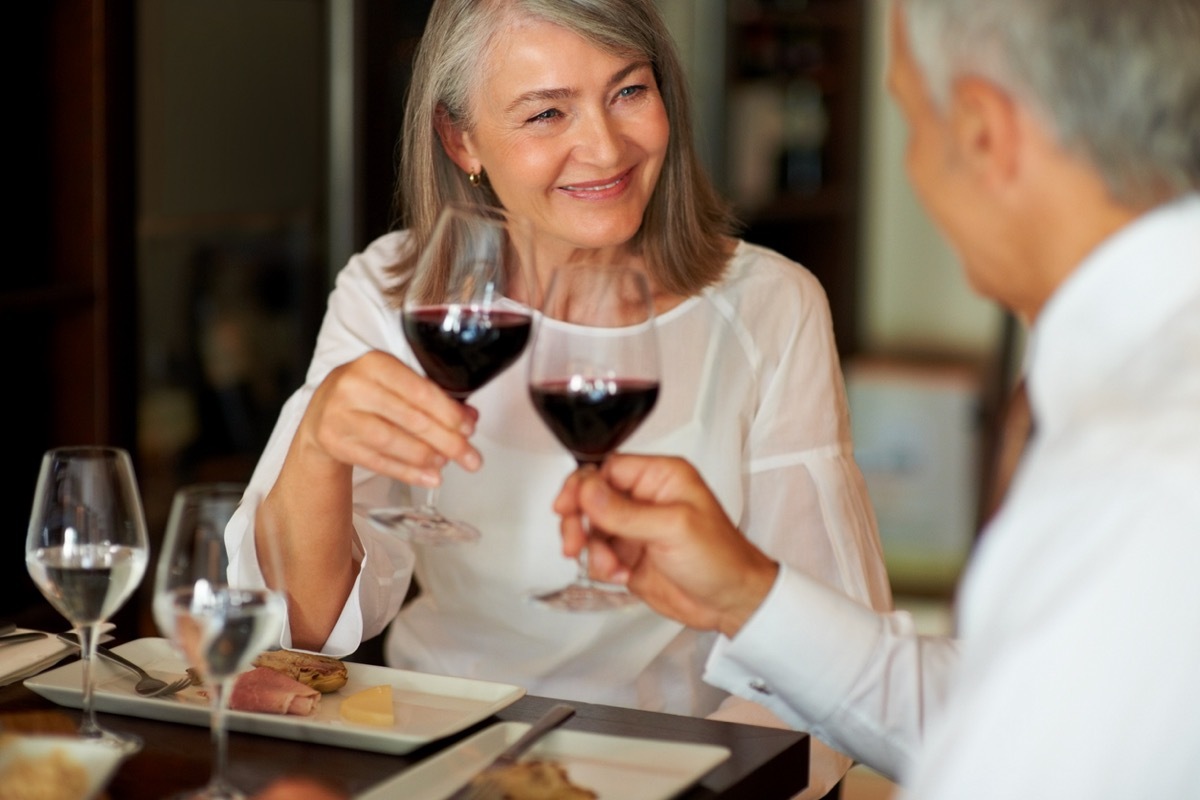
(147, 685)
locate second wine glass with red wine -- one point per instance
(464, 327)
(594, 378)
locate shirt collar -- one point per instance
(1111, 306)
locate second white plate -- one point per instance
(95, 760)
(427, 707)
(614, 767)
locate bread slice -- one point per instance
(532, 780)
(324, 673)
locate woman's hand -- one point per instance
(657, 528)
(377, 413)
(373, 412)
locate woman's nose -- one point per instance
(600, 140)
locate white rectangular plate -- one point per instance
(614, 767)
(427, 707)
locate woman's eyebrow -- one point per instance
(538, 96)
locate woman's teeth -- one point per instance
(593, 188)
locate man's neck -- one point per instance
(1070, 214)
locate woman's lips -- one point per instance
(598, 190)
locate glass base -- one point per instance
(588, 597)
(125, 743)
(422, 525)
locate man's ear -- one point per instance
(985, 124)
(456, 142)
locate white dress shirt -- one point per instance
(752, 394)
(1077, 670)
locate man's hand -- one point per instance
(656, 527)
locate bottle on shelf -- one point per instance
(805, 127)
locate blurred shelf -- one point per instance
(794, 73)
(828, 201)
(63, 298)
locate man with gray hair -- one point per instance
(1056, 143)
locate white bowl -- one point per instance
(99, 761)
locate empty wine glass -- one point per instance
(217, 622)
(593, 378)
(464, 327)
(87, 550)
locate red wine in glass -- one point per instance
(464, 327)
(462, 349)
(593, 419)
(593, 379)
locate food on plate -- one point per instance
(324, 673)
(372, 706)
(533, 780)
(53, 776)
(271, 692)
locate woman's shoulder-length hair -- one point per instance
(684, 236)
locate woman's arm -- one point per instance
(363, 412)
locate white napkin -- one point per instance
(19, 661)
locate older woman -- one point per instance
(573, 114)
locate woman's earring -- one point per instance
(475, 178)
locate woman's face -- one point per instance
(570, 136)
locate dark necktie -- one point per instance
(1014, 435)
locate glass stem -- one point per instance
(430, 505)
(583, 578)
(87, 634)
(219, 786)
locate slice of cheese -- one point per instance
(371, 706)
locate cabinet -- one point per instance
(793, 131)
(67, 294)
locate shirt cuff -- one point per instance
(801, 651)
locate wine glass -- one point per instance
(593, 378)
(217, 622)
(465, 328)
(87, 550)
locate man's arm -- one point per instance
(862, 681)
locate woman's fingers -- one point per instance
(378, 413)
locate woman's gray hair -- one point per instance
(1117, 81)
(684, 230)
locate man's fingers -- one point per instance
(603, 562)
(658, 480)
(620, 514)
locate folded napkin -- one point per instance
(20, 661)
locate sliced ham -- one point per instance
(270, 692)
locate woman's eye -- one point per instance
(631, 91)
(545, 116)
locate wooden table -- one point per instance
(766, 763)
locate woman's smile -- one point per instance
(599, 190)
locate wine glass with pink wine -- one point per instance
(87, 550)
(464, 327)
(593, 378)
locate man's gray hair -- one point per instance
(1117, 81)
